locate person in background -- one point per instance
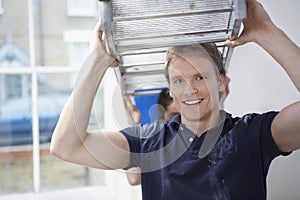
(166, 109)
(204, 152)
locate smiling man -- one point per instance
(197, 82)
(202, 153)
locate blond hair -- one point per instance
(208, 50)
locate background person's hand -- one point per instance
(133, 112)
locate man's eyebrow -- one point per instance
(176, 77)
(201, 74)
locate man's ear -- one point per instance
(223, 90)
(223, 84)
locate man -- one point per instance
(203, 153)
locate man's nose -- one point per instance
(190, 89)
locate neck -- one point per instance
(198, 127)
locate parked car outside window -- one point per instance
(16, 118)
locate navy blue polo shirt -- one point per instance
(228, 162)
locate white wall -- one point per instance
(257, 81)
(258, 84)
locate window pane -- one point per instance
(82, 8)
(51, 43)
(56, 174)
(14, 35)
(55, 51)
(81, 3)
(78, 53)
(16, 168)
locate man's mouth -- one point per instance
(193, 102)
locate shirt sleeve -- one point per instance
(142, 138)
(132, 134)
(268, 146)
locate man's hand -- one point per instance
(98, 43)
(257, 23)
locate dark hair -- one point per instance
(209, 50)
(164, 100)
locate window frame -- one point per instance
(108, 190)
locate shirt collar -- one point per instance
(175, 121)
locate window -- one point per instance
(78, 52)
(12, 85)
(78, 47)
(34, 70)
(83, 8)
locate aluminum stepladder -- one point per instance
(140, 31)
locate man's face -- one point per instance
(195, 87)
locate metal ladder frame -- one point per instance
(127, 73)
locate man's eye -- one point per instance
(178, 81)
(200, 78)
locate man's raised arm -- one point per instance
(259, 28)
(71, 140)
